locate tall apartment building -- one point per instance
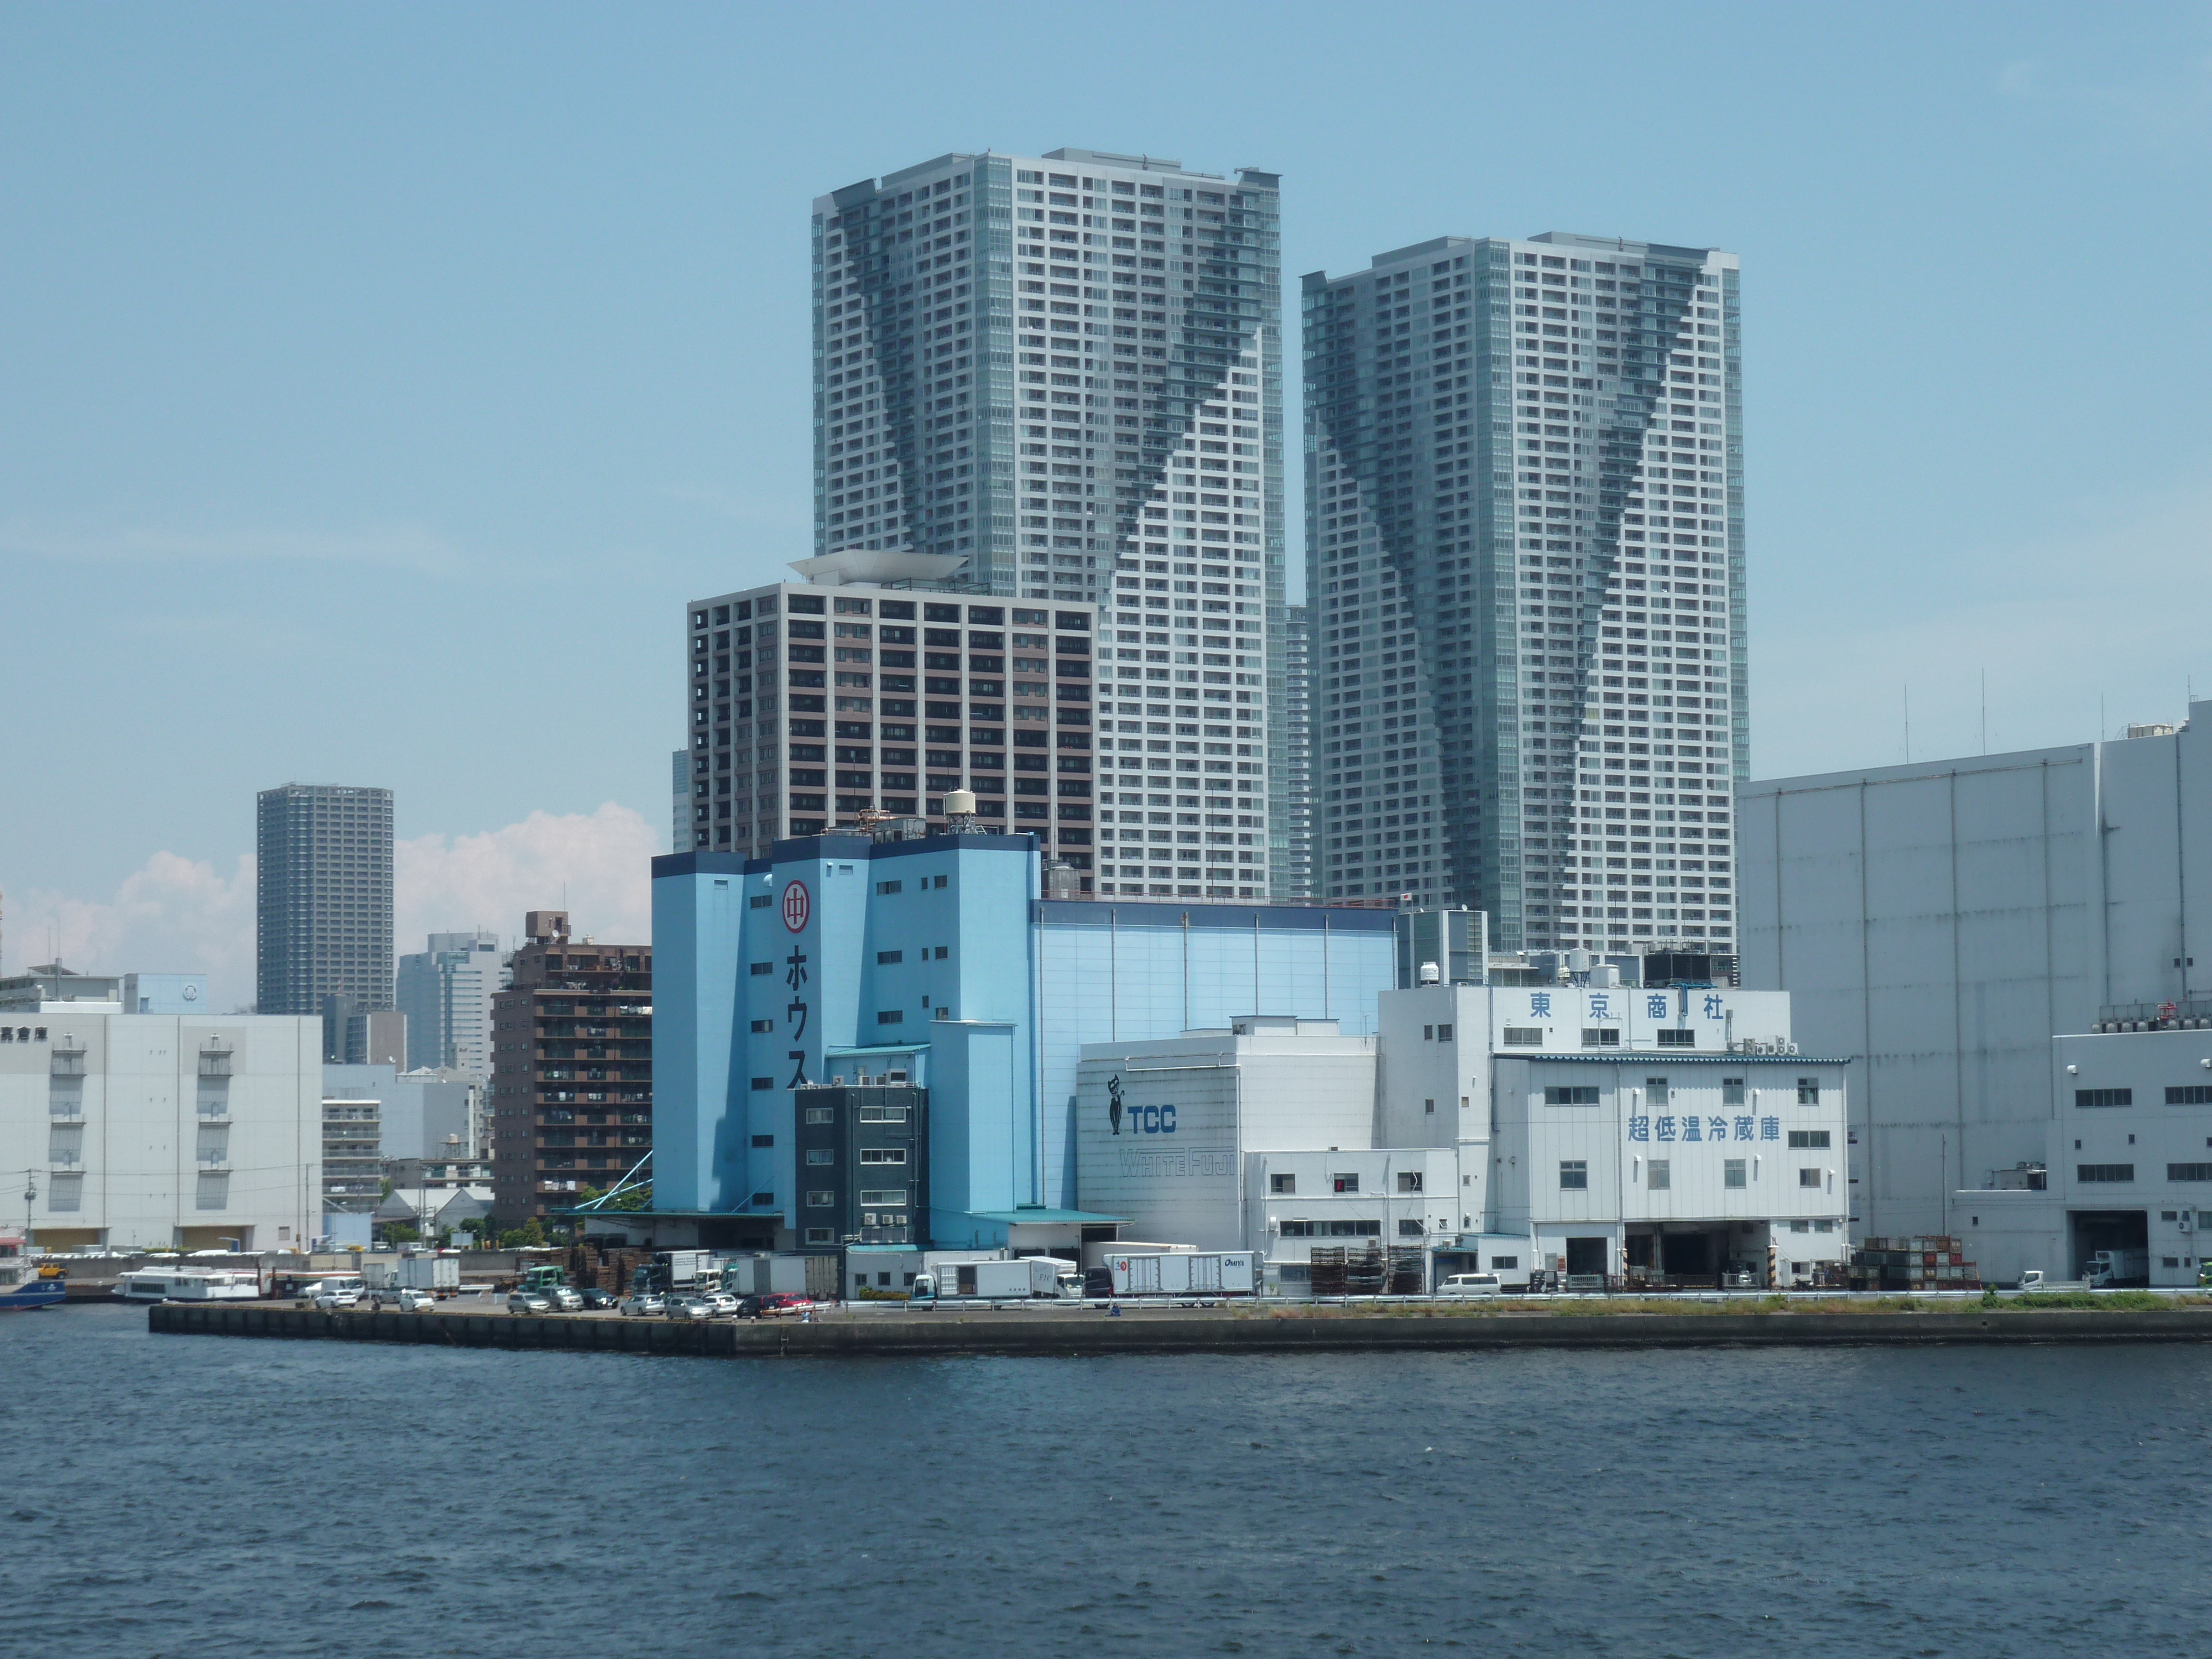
(1525, 561)
(572, 1068)
(446, 991)
(1290, 856)
(813, 703)
(323, 906)
(1066, 371)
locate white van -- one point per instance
(1471, 1285)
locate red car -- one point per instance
(780, 1303)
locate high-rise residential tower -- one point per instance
(323, 907)
(1525, 566)
(1291, 855)
(1066, 370)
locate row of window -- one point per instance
(2186, 1094)
(1657, 1091)
(2120, 1174)
(1574, 1174)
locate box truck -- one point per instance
(2109, 1267)
(1024, 1279)
(1185, 1275)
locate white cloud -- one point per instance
(597, 867)
(173, 915)
(170, 915)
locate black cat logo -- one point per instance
(1114, 1102)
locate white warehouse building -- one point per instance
(2128, 1167)
(1658, 1137)
(167, 1131)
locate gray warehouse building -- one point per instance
(1944, 920)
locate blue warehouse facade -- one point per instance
(933, 960)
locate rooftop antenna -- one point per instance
(1908, 724)
(1985, 711)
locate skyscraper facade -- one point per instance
(446, 991)
(323, 899)
(1068, 371)
(1291, 855)
(1525, 564)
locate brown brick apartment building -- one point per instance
(572, 1069)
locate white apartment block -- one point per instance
(163, 1131)
(1066, 371)
(1524, 512)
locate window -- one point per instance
(1282, 1183)
(1345, 1183)
(769, 1140)
(891, 886)
(213, 1191)
(814, 1115)
(884, 958)
(1731, 1091)
(64, 1193)
(2191, 1094)
(1808, 1092)
(1655, 1090)
(1678, 1039)
(880, 1197)
(758, 900)
(883, 1154)
(821, 1197)
(2089, 1174)
(764, 1083)
(1297, 1230)
(1524, 1037)
(1809, 1138)
(1574, 1176)
(1809, 1178)
(1659, 1175)
(2107, 1096)
(1498, 1262)
(821, 1235)
(890, 1016)
(1355, 1230)
(1444, 1034)
(760, 1025)
(761, 1199)
(820, 1156)
(2188, 1172)
(763, 969)
(1408, 1228)
(1603, 1037)
(1578, 1095)
(1732, 1172)
(1409, 1180)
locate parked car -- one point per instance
(749, 1307)
(686, 1306)
(332, 1297)
(528, 1302)
(565, 1299)
(600, 1300)
(646, 1304)
(780, 1303)
(406, 1300)
(720, 1304)
(1470, 1284)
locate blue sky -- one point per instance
(380, 381)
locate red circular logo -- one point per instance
(796, 906)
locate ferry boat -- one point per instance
(188, 1284)
(25, 1281)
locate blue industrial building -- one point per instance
(935, 959)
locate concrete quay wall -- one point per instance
(1224, 1332)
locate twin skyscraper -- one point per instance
(1057, 381)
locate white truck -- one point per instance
(1186, 1275)
(1024, 1279)
(440, 1275)
(2110, 1268)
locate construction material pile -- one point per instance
(1937, 1263)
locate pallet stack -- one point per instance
(1937, 1262)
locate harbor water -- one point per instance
(195, 1496)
